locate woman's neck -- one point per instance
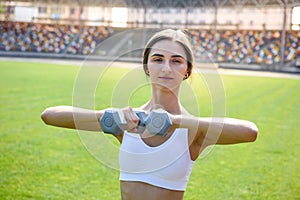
(164, 100)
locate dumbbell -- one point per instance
(113, 121)
(157, 123)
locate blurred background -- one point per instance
(255, 34)
(43, 43)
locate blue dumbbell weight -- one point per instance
(158, 122)
(113, 121)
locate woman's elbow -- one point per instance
(252, 132)
(45, 116)
(51, 115)
(60, 116)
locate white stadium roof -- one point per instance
(170, 3)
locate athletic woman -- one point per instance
(153, 166)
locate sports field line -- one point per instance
(206, 69)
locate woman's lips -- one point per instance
(165, 78)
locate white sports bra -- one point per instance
(168, 165)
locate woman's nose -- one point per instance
(166, 67)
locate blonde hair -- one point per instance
(180, 36)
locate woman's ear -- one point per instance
(186, 76)
(147, 71)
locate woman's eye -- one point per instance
(177, 61)
(157, 59)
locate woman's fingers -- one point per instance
(131, 118)
(132, 121)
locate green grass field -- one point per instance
(43, 162)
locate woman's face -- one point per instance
(167, 64)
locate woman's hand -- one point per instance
(131, 118)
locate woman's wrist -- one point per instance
(176, 120)
(99, 114)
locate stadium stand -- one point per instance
(247, 46)
(87, 39)
(232, 46)
(50, 38)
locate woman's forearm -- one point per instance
(219, 130)
(72, 117)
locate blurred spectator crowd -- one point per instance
(233, 46)
(50, 38)
(247, 46)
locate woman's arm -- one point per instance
(73, 117)
(210, 131)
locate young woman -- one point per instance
(158, 167)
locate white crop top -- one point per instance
(168, 165)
